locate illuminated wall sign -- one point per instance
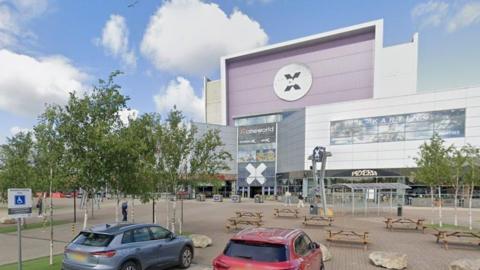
(292, 82)
(402, 127)
(364, 173)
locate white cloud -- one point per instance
(127, 115)
(189, 36)
(15, 130)
(467, 15)
(180, 93)
(431, 13)
(14, 14)
(28, 83)
(115, 40)
(452, 17)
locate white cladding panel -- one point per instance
(389, 154)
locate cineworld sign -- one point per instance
(364, 173)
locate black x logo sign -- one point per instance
(290, 79)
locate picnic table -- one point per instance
(249, 214)
(233, 222)
(286, 211)
(348, 236)
(418, 223)
(317, 220)
(444, 236)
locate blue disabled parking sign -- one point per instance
(19, 199)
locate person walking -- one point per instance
(300, 201)
(288, 198)
(40, 205)
(124, 211)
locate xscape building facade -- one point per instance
(341, 89)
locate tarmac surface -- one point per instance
(209, 218)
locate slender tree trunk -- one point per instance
(154, 216)
(470, 221)
(85, 212)
(433, 205)
(455, 201)
(51, 218)
(93, 202)
(440, 223)
(116, 208)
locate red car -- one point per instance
(270, 249)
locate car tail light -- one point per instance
(105, 254)
(219, 265)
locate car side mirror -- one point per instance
(314, 245)
(172, 236)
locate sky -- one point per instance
(49, 48)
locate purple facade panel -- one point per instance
(342, 70)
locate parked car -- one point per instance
(270, 249)
(127, 247)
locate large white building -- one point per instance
(340, 89)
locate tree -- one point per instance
(472, 175)
(48, 158)
(433, 167)
(458, 159)
(85, 125)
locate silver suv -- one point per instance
(127, 247)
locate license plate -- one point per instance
(78, 257)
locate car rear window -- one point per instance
(93, 239)
(256, 251)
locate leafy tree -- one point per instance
(433, 167)
(472, 174)
(85, 125)
(458, 159)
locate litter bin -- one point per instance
(258, 198)
(313, 209)
(399, 210)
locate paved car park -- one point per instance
(209, 218)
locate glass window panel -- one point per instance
(365, 138)
(417, 126)
(419, 135)
(391, 137)
(389, 128)
(419, 117)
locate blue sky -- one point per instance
(48, 47)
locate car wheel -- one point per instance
(186, 257)
(130, 266)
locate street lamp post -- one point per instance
(320, 154)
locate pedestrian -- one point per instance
(124, 211)
(300, 201)
(288, 198)
(40, 205)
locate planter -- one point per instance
(217, 198)
(200, 197)
(236, 198)
(258, 198)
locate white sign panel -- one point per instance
(19, 202)
(292, 82)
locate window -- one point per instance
(141, 234)
(302, 245)
(261, 252)
(127, 237)
(159, 233)
(93, 239)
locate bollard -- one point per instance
(73, 229)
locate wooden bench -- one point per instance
(233, 222)
(249, 214)
(418, 223)
(286, 211)
(317, 220)
(444, 236)
(348, 236)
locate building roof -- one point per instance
(372, 186)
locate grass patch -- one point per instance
(31, 226)
(37, 264)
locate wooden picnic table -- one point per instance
(444, 236)
(249, 214)
(286, 211)
(418, 223)
(317, 220)
(348, 236)
(233, 222)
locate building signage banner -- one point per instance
(257, 149)
(255, 134)
(402, 127)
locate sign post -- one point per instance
(19, 206)
(320, 154)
